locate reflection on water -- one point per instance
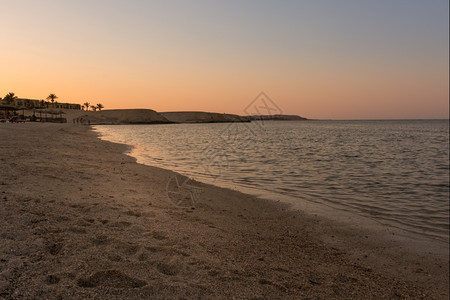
(394, 171)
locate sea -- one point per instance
(394, 172)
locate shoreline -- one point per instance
(429, 241)
(83, 219)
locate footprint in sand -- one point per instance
(52, 279)
(133, 213)
(54, 248)
(100, 240)
(62, 219)
(115, 257)
(76, 229)
(110, 278)
(128, 248)
(143, 255)
(159, 235)
(171, 268)
(120, 224)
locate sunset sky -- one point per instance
(327, 59)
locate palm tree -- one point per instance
(100, 106)
(9, 98)
(52, 97)
(86, 104)
(93, 107)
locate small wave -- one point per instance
(385, 170)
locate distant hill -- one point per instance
(277, 117)
(123, 116)
(148, 116)
(202, 117)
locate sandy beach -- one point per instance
(82, 220)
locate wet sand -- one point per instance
(79, 219)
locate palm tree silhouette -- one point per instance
(100, 106)
(86, 104)
(52, 97)
(9, 98)
(93, 107)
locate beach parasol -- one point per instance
(7, 108)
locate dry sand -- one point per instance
(81, 220)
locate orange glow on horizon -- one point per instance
(144, 62)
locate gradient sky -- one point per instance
(328, 59)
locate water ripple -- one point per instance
(393, 171)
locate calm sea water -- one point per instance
(396, 172)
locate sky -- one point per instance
(321, 59)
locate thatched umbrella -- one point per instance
(51, 112)
(56, 112)
(7, 108)
(22, 109)
(40, 111)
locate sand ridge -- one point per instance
(79, 219)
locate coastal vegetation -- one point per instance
(87, 105)
(52, 97)
(9, 98)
